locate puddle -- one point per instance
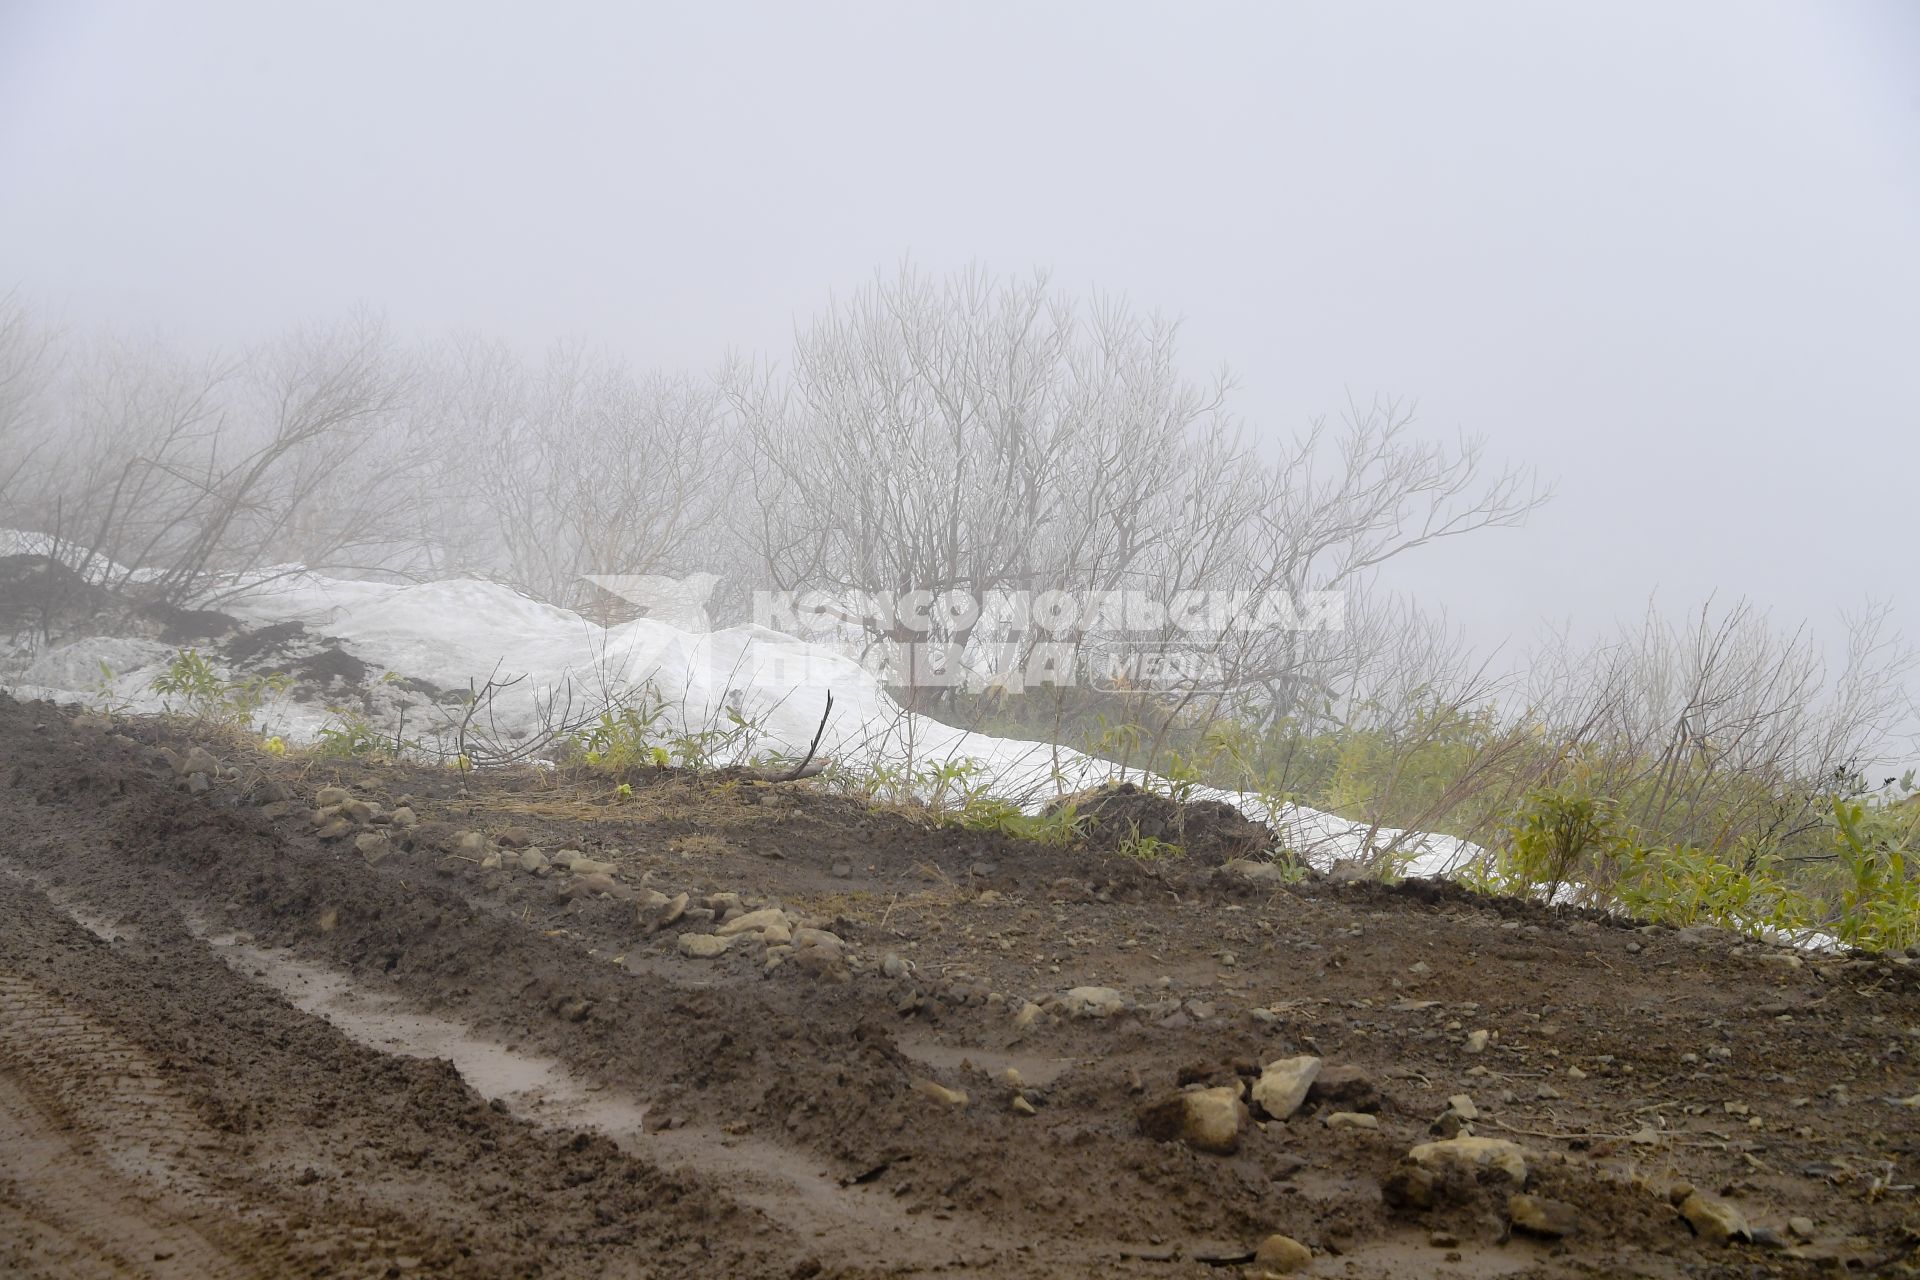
(780, 1182)
(1035, 1069)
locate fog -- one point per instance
(1665, 254)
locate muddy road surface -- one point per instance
(285, 1017)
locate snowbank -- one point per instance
(454, 632)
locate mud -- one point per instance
(289, 1061)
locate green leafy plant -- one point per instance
(193, 686)
(1563, 837)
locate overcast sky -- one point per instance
(1667, 252)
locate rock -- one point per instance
(753, 922)
(330, 797)
(582, 865)
(1345, 1088)
(824, 963)
(321, 817)
(1449, 1124)
(198, 782)
(1477, 1041)
(595, 882)
(1027, 1014)
(721, 903)
(1713, 1219)
(1281, 1256)
(335, 827)
(1409, 1186)
(512, 838)
(1021, 1105)
(1801, 1227)
(1473, 1155)
(199, 760)
(703, 946)
(405, 817)
(1462, 1105)
(373, 846)
(893, 966)
(842, 870)
(1093, 1002)
(1539, 1216)
(818, 938)
(1205, 1119)
(360, 811)
(776, 935)
(938, 1092)
(671, 911)
(1254, 872)
(1283, 1085)
(1351, 1120)
(531, 860)
(470, 844)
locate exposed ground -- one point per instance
(231, 1044)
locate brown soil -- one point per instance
(178, 1101)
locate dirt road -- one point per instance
(235, 1043)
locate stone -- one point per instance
(1801, 1227)
(842, 870)
(373, 846)
(753, 922)
(893, 966)
(1093, 1002)
(359, 810)
(334, 828)
(1351, 1120)
(1713, 1219)
(1462, 1105)
(1477, 1041)
(198, 782)
(1410, 1186)
(1021, 1106)
(584, 866)
(671, 911)
(703, 946)
(470, 844)
(938, 1092)
(1207, 1120)
(818, 938)
(330, 797)
(512, 838)
(595, 882)
(1345, 1088)
(531, 860)
(1473, 1155)
(1280, 1255)
(1539, 1216)
(1283, 1085)
(200, 760)
(824, 963)
(1027, 1014)
(776, 935)
(404, 816)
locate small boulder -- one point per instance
(703, 946)
(373, 846)
(1093, 1002)
(1283, 1085)
(1351, 1120)
(939, 1093)
(1205, 1119)
(1473, 1155)
(754, 922)
(330, 797)
(1280, 1255)
(1714, 1219)
(1539, 1216)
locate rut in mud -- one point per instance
(295, 1056)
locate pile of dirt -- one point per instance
(1210, 832)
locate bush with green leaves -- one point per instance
(193, 686)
